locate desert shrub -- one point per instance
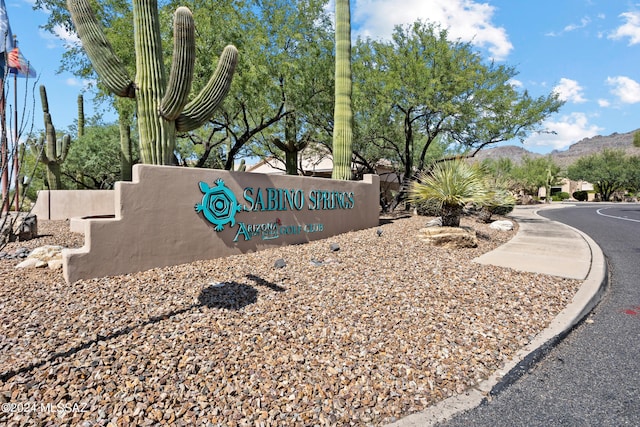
(581, 195)
(428, 207)
(563, 195)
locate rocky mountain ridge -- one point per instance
(582, 148)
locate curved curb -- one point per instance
(587, 297)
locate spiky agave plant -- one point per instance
(499, 201)
(452, 184)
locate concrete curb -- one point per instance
(587, 297)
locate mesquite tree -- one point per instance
(162, 105)
(343, 114)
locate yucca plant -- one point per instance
(499, 201)
(452, 184)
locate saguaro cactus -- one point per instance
(80, 116)
(162, 107)
(343, 114)
(56, 151)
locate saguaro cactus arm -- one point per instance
(184, 59)
(201, 108)
(107, 64)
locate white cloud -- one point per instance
(466, 20)
(572, 27)
(569, 129)
(515, 83)
(626, 89)
(81, 83)
(570, 90)
(630, 29)
(604, 103)
(69, 39)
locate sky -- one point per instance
(587, 51)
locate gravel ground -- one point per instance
(381, 328)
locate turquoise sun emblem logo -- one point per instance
(219, 205)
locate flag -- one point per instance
(18, 65)
(6, 37)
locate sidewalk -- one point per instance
(545, 247)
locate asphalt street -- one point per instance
(592, 377)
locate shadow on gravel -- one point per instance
(225, 295)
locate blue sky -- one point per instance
(588, 51)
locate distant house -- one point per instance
(568, 186)
(318, 165)
(317, 161)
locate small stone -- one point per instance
(280, 263)
(502, 225)
(334, 247)
(437, 222)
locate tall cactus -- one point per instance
(56, 151)
(162, 107)
(80, 116)
(343, 114)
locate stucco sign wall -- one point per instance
(172, 215)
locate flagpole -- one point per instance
(16, 166)
(3, 143)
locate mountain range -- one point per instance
(582, 148)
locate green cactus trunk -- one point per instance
(80, 116)
(157, 135)
(126, 153)
(343, 115)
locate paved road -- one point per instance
(592, 378)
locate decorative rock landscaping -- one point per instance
(299, 335)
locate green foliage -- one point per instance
(162, 107)
(283, 89)
(452, 184)
(563, 195)
(420, 86)
(94, 162)
(581, 195)
(636, 139)
(534, 173)
(609, 171)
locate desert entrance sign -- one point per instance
(173, 215)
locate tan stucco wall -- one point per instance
(66, 204)
(157, 225)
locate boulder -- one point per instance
(449, 237)
(436, 222)
(44, 256)
(503, 225)
(27, 227)
(18, 226)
